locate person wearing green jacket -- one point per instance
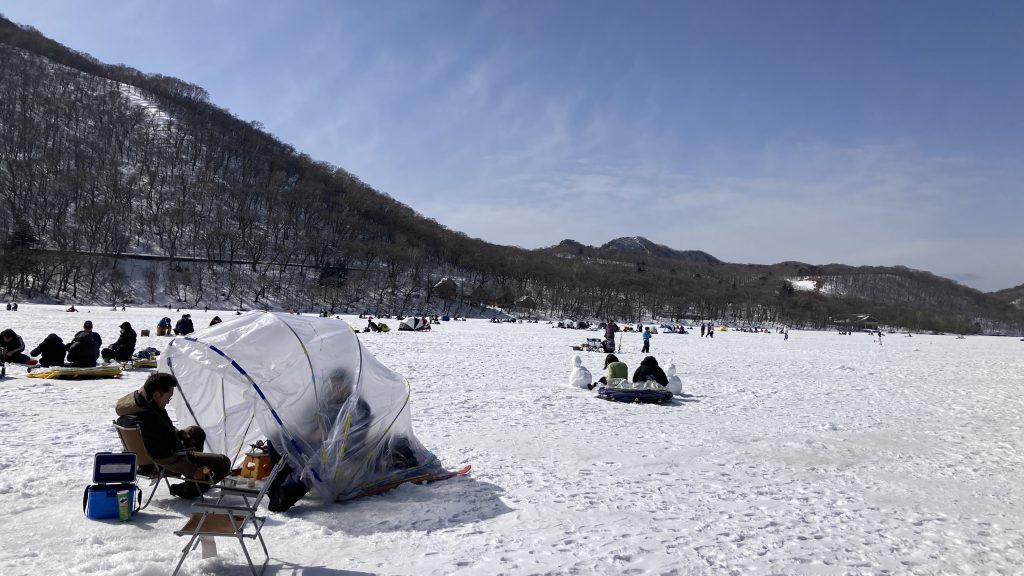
(613, 369)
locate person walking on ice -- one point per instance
(647, 340)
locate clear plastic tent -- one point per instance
(339, 416)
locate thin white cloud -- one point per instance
(875, 205)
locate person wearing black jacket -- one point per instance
(52, 348)
(123, 349)
(14, 348)
(184, 327)
(179, 451)
(84, 348)
(649, 370)
(87, 331)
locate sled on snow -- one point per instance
(72, 373)
(622, 390)
(420, 478)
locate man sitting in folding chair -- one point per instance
(178, 451)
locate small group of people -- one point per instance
(707, 330)
(83, 351)
(12, 306)
(616, 370)
(647, 370)
(372, 326)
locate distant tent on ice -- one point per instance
(413, 323)
(339, 417)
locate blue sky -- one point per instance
(861, 132)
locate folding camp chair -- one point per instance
(233, 521)
(131, 439)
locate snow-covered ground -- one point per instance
(823, 454)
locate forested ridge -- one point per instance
(101, 163)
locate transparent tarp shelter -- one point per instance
(339, 416)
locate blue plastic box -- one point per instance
(101, 500)
(112, 472)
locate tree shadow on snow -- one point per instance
(410, 507)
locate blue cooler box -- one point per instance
(112, 472)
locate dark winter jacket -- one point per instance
(610, 329)
(95, 337)
(649, 370)
(84, 350)
(15, 346)
(158, 432)
(125, 344)
(184, 327)
(52, 348)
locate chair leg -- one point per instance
(156, 484)
(199, 489)
(266, 555)
(152, 493)
(248, 559)
(184, 553)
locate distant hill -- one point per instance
(1013, 295)
(641, 245)
(630, 247)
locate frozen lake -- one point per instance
(823, 454)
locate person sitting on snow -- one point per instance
(163, 328)
(123, 349)
(649, 370)
(14, 348)
(179, 451)
(216, 320)
(86, 331)
(84, 348)
(184, 327)
(289, 486)
(52, 349)
(613, 369)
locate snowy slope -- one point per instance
(823, 454)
